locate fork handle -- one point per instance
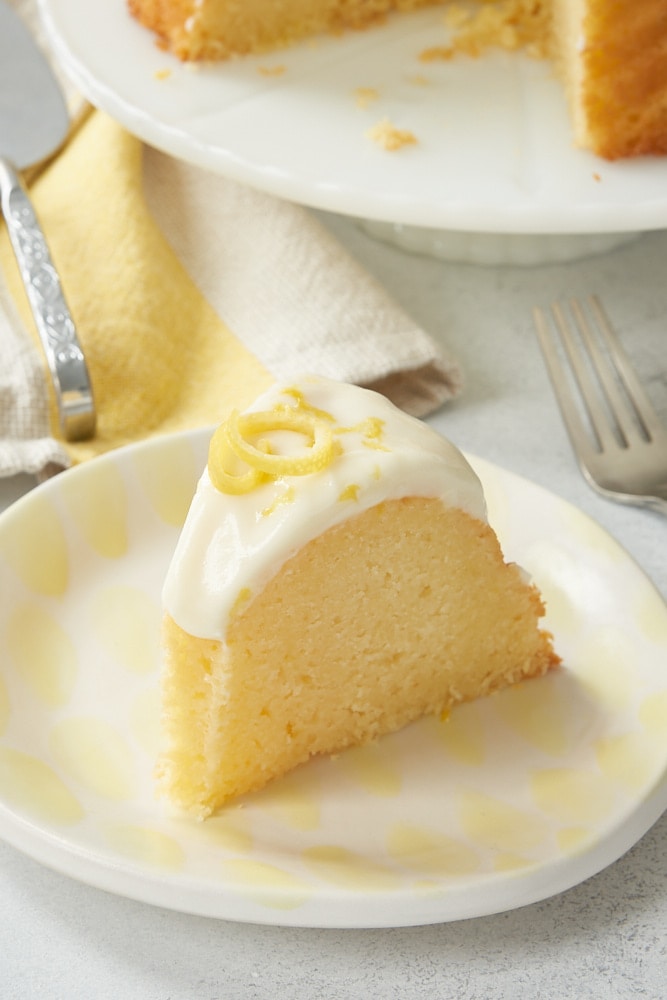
(57, 332)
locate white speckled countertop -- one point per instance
(606, 938)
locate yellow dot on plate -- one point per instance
(145, 845)
(369, 766)
(97, 501)
(292, 800)
(127, 623)
(5, 707)
(462, 734)
(573, 838)
(168, 475)
(500, 825)
(653, 714)
(430, 852)
(345, 868)
(229, 830)
(36, 549)
(96, 755)
(538, 712)
(605, 666)
(30, 785)
(630, 759)
(573, 796)
(145, 721)
(43, 654)
(651, 614)
(593, 536)
(266, 884)
(509, 862)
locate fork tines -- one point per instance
(617, 407)
(618, 438)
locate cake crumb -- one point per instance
(596, 177)
(162, 74)
(389, 137)
(419, 80)
(436, 53)
(364, 96)
(272, 70)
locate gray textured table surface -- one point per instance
(605, 938)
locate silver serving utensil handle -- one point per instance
(74, 394)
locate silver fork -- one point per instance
(617, 436)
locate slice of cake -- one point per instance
(335, 579)
(611, 57)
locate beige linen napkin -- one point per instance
(191, 293)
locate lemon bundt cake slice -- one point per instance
(335, 579)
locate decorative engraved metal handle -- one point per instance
(55, 325)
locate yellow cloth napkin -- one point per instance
(190, 293)
(160, 359)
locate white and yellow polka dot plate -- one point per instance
(511, 800)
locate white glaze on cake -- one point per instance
(230, 544)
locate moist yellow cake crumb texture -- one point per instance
(403, 610)
(389, 137)
(610, 54)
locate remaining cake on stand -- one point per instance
(336, 579)
(611, 57)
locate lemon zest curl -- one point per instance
(231, 445)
